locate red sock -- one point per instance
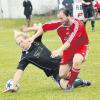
(73, 76)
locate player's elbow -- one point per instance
(40, 29)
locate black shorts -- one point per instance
(28, 16)
(99, 10)
(88, 11)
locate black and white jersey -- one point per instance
(39, 56)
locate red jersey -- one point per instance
(75, 34)
(97, 5)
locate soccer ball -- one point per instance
(10, 83)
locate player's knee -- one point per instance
(64, 70)
(62, 74)
(77, 60)
(76, 64)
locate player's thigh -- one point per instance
(64, 70)
(80, 55)
(77, 60)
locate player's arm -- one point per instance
(24, 4)
(86, 3)
(83, 1)
(31, 28)
(31, 6)
(16, 79)
(41, 29)
(59, 51)
(18, 74)
(38, 33)
(38, 29)
(74, 35)
(65, 4)
(65, 46)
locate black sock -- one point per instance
(93, 23)
(84, 22)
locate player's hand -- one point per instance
(6, 90)
(30, 39)
(9, 90)
(24, 29)
(56, 53)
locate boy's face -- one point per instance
(62, 17)
(23, 42)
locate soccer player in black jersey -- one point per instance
(88, 11)
(37, 54)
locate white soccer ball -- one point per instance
(10, 83)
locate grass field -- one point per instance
(34, 85)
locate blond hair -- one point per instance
(18, 34)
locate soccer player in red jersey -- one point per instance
(74, 47)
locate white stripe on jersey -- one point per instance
(75, 31)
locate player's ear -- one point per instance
(16, 33)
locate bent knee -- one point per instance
(77, 60)
(62, 74)
(64, 70)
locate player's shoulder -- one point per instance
(53, 22)
(77, 21)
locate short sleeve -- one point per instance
(50, 26)
(22, 63)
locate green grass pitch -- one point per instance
(34, 85)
